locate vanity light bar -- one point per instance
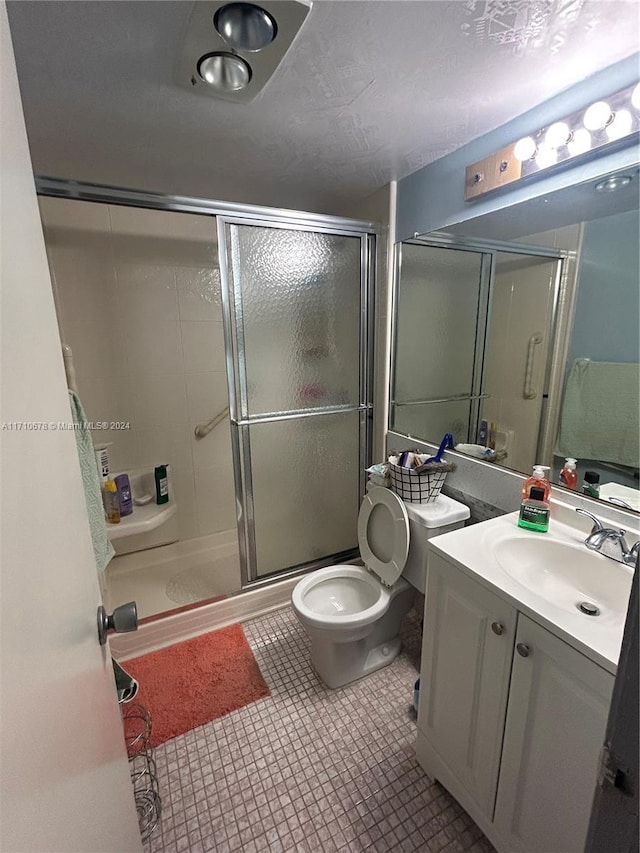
(608, 123)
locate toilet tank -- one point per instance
(426, 521)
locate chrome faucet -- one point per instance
(609, 542)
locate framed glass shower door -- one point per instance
(296, 322)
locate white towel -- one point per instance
(600, 413)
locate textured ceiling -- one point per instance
(370, 91)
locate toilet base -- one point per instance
(340, 663)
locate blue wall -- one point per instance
(605, 327)
(433, 197)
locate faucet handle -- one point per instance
(597, 524)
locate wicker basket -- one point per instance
(418, 486)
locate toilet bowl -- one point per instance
(353, 614)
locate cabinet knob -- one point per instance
(497, 628)
(523, 650)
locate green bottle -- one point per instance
(535, 512)
(591, 485)
(162, 484)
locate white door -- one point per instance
(466, 659)
(558, 706)
(64, 780)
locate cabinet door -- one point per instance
(464, 679)
(558, 706)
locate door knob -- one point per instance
(122, 620)
(497, 628)
(523, 650)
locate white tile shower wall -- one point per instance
(138, 299)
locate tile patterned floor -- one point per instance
(309, 769)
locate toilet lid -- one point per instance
(383, 534)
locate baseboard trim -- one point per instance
(183, 626)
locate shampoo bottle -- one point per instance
(535, 511)
(569, 475)
(539, 480)
(162, 484)
(111, 502)
(124, 494)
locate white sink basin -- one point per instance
(566, 575)
(547, 575)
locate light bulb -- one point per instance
(580, 142)
(620, 126)
(635, 97)
(597, 116)
(244, 26)
(224, 71)
(524, 149)
(557, 135)
(546, 156)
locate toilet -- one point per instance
(353, 614)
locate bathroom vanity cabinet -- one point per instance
(511, 718)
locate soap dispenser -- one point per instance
(539, 480)
(568, 474)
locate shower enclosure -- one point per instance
(296, 319)
(277, 340)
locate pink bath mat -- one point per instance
(196, 681)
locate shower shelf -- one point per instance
(143, 519)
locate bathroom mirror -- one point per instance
(519, 330)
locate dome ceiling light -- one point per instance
(613, 183)
(605, 124)
(231, 50)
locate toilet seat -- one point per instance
(385, 548)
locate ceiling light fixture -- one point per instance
(613, 183)
(611, 122)
(224, 71)
(245, 26)
(231, 49)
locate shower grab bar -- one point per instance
(204, 428)
(528, 391)
(69, 369)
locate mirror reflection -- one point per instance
(518, 332)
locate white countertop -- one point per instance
(472, 549)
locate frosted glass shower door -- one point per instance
(296, 301)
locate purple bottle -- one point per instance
(124, 494)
